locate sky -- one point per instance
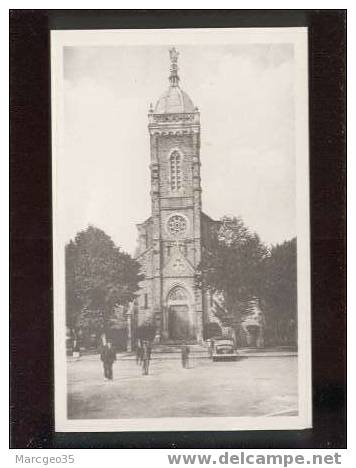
(245, 94)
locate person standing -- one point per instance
(211, 348)
(149, 346)
(108, 357)
(146, 355)
(185, 356)
(138, 353)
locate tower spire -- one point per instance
(173, 77)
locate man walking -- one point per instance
(146, 355)
(138, 352)
(185, 356)
(108, 356)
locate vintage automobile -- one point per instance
(223, 349)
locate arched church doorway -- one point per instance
(180, 326)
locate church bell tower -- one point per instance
(170, 239)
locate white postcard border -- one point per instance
(176, 37)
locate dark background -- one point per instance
(31, 350)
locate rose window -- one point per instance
(177, 225)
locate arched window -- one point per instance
(176, 180)
(177, 294)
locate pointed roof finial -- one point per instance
(173, 77)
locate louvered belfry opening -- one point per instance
(176, 180)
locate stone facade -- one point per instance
(170, 241)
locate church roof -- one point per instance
(209, 218)
(174, 100)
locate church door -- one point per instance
(179, 324)
(179, 320)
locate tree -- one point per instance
(231, 267)
(279, 292)
(99, 277)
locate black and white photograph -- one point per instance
(181, 229)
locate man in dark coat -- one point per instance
(138, 352)
(108, 357)
(185, 356)
(146, 356)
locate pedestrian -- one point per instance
(146, 355)
(149, 347)
(138, 353)
(185, 356)
(211, 348)
(108, 357)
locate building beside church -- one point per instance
(171, 240)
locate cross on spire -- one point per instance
(173, 77)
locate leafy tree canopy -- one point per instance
(232, 265)
(237, 267)
(99, 276)
(280, 280)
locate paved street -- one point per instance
(252, 386)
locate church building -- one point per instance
(171, 240)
